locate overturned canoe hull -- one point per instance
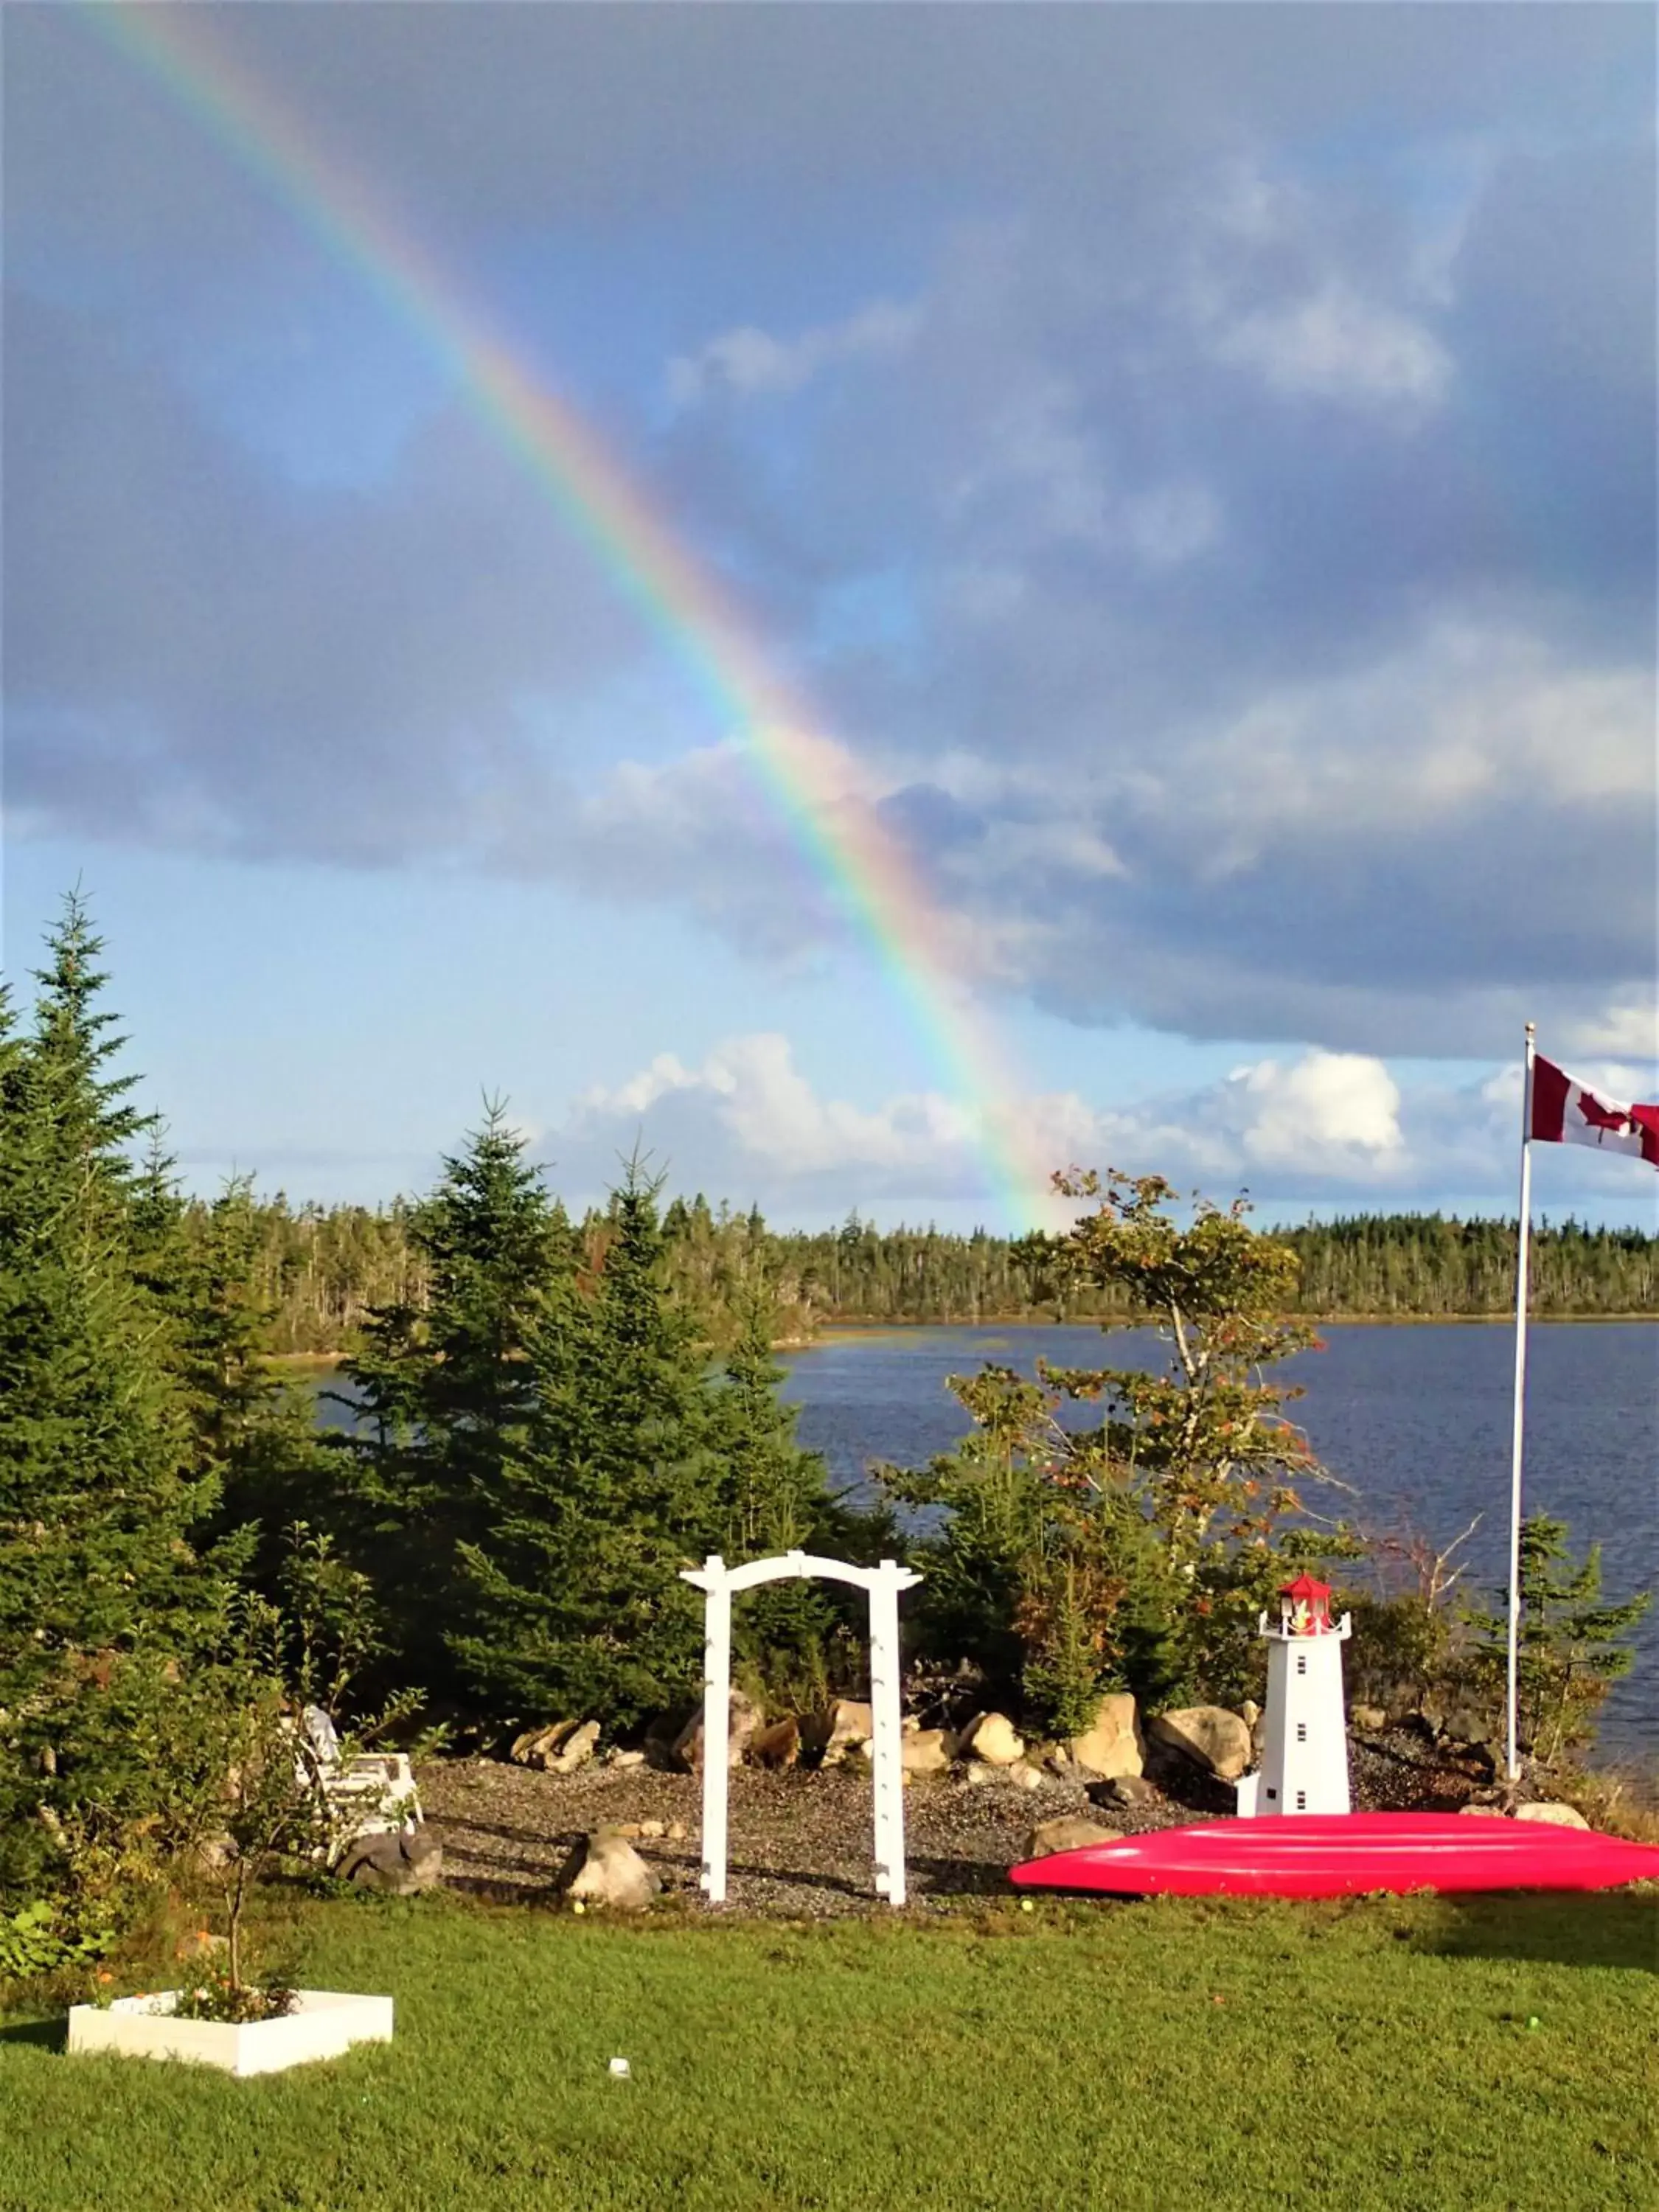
(1345, 1855)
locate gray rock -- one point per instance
(743, 1718)
(559, 1748)
(576, 1750)
(608, 1870)
(539, 1746)
(1112, 1743)
(991, 1738)
(924, 1750)
(1125, 1789)
(1554, 1816)
(1456, 1719)
(840, 1731)
(399, 1865)
(1210, 1736)
(1069, 1833)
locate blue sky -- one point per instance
(1200, 461)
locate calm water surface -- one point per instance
(1416, 1418)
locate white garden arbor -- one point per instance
(720, 1584)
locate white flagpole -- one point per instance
(1523, 1253)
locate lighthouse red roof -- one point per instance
(1305, 1586)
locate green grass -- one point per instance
(1378, 2053)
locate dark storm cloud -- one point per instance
(1204, 459)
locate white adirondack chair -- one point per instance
(371, 1794)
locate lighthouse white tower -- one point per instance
(1304, 1753)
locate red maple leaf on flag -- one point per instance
(1600, 1116)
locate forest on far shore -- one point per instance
(319, 1270)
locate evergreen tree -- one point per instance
(447, 1392)
(254, 1435)
(773, 1499)
(1573, 1642)
(102, 1592)
(578, 1607)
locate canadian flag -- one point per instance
(1566, 1111)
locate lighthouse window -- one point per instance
(1300, 1801)
(1301, 1663)
(1302, 1731)
(1272, 1794)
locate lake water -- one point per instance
(1416, 1419)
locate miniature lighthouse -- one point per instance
(1304, 1756)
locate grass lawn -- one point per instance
(1177, 2054)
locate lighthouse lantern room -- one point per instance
(1304, 1751)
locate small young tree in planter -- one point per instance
(259, 1798)
(248, 1791)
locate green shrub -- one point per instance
(36, 1939)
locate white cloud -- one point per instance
(774, 1119)
(1463, 716)
(1628, 1029)
(747, 1123)
(1337, 346)
(748, 361)
(1327, 1113)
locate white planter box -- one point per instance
(323, 2023)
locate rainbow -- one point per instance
(812, 781)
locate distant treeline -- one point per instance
(323, 1268)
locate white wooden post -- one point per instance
(716, 1724)
(882, 1585)
(886, 1726)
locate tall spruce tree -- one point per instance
(103, 1593)
(773, 1498)
(578, 1607)
(254, 1433)
(447, 1392)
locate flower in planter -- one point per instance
(222, 1997)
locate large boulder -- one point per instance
(399, 1865)
(608, 1870)
(1554, 1816)
(990, 1738)
(839, 1730)
(924, 1750)
(743, 1719)
(1111, 1744)
(1210, 1736)
(1069, 1833)
(776, 1745)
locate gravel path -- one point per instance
(800, 1843)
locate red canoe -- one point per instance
(1345, 1855)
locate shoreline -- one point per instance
(329, 1362)
(899, 1324)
